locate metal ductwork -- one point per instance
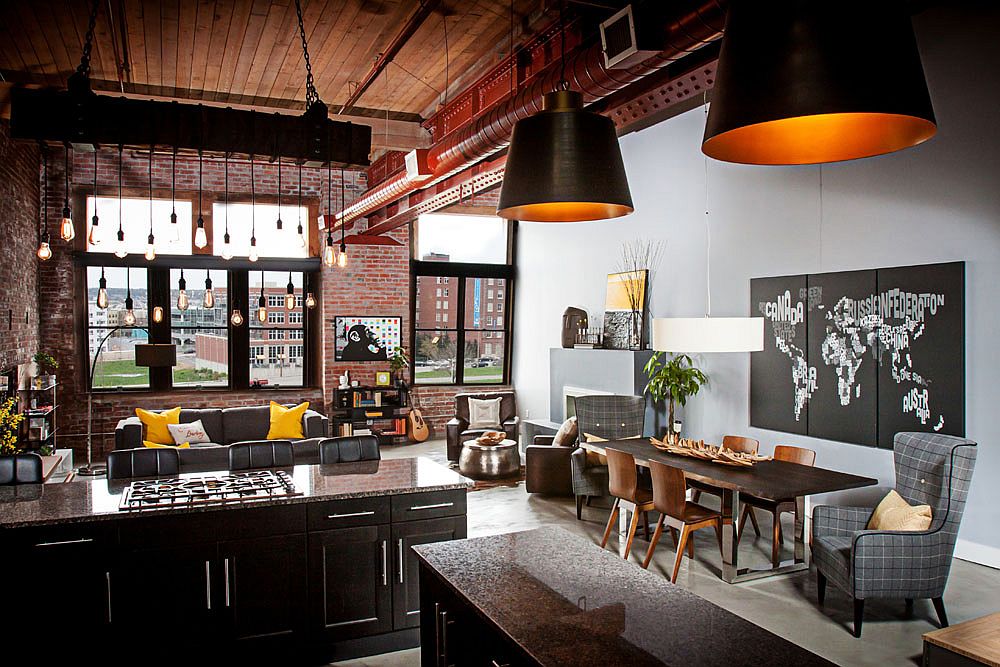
(692, 24)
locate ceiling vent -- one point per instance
(626, 44)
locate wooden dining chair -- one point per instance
(623, 484)
(789, 454)
(669, 499)
(736, 443)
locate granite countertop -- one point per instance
(90, 500)
(566, 601)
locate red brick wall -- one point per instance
(19, 188)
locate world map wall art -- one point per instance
(858, 356)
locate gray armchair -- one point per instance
(608, 417)
(931, 469)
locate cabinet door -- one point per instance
(175, 591)
(263, 586)
(406, 580)
(349, 590)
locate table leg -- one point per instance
(730, 535)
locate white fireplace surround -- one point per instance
(570, 394)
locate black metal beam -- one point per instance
(86, 119)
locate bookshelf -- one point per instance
(379, 410)
(38, 405)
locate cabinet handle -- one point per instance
(107, 581)
(350, 514)
(385, 564)
(82, 540)
(437, 634)
(430, 507)
(401, 560)
(208, 585)
(225, 572)
(444, 639)
(494, 663)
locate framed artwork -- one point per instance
(858, 356)
(361, 338)
(625, 310)
(382, 379)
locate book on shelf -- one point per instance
(362, 431)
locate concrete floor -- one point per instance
(784, 605)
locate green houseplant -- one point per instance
(673, 378)
(47, 366)
(398, 363)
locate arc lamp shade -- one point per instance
(564, 164)
(814, 81)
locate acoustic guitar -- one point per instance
(415, 424)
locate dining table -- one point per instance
(771, 479)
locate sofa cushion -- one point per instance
(211, 419)
(204, 457)
(155, 424)
(566, 436)
(249, 423)
(286, 423)
(484, 413)
(193, 432)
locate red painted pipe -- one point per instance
(695, 24)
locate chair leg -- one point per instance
(718, 535)
(909, 607)
(611, 523)
(652, 542)
(673, 534)
(775, 540)
(820, 587)
(579, 508)
(685, 534)
(859, 615)
(753, 520)
(632, 525)
(588, 501)
(939, 608)
(645, 524)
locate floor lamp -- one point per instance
(148, 356)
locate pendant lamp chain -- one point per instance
(312, 97)
(83, 69)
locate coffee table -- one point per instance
(489, 461)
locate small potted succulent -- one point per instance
(47, 366)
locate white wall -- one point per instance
(934, 203)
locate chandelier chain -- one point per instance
(311, 95)
(88, 44)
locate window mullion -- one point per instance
(460, 333)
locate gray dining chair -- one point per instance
(608, 417)
(931, 469)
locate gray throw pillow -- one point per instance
(484, 413)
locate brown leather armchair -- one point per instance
(547, 467)
(457, 430)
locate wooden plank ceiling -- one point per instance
(248, 52)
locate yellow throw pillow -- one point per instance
(595, 459)
(894, 513)
(286, 423)
(154, 445)
(155, 424)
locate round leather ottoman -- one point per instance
(489, 461)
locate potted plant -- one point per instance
(46, 365)
(10, 421)
(673, 378)
(398, 363)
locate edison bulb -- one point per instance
(150, 248)
(44, 249)
(302, 237)
(253, 256)
(120, 249)
(66, 231)
(157, 314)
(102, 298)
(182, 300)
(289, 301)
(175, 230)
(209, 298)
(236, 318)
(329, 255)
(200, 238)
(129, 318)
(262, 314)
(227, 248)
(310, 300)
(94, 237)
(342, 257)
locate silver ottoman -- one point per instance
(489, 461)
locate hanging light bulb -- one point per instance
(310, 300)
(157, 314)
(329, 252)
(175, 231)
(102, 291)
(290, 294)
(236, 318)
(302, 236)
(94, 237)
(44, 249)
(227, 248)
(278, 223)
(120, 250)
(253, 256)
(200, 238)
(129, 318)
(261, 302)
(150, 248)
(182, 297)
(66, 231)
(150, 241)
(329, 199)
(209, 293)
(342, 257)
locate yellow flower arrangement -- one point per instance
(10, 419)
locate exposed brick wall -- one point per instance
(375, 282)
(19, 188)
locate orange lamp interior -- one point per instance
(820, 138)
(575, 211)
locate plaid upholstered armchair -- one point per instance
(931, 469)
(608, 417)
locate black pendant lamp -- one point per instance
(813, 81)
(564, 164)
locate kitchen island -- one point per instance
(549, 597)
(323, 572)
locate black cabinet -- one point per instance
(349, 573)
(406, 579)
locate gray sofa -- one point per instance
(226, 426)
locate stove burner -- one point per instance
(228, 488)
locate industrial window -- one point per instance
(242, 219)
(200, 330)
(169, 238)
(111, 339)
(278, 366)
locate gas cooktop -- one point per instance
(210, 489)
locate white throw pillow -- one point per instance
(193, 433)
(484, 413)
